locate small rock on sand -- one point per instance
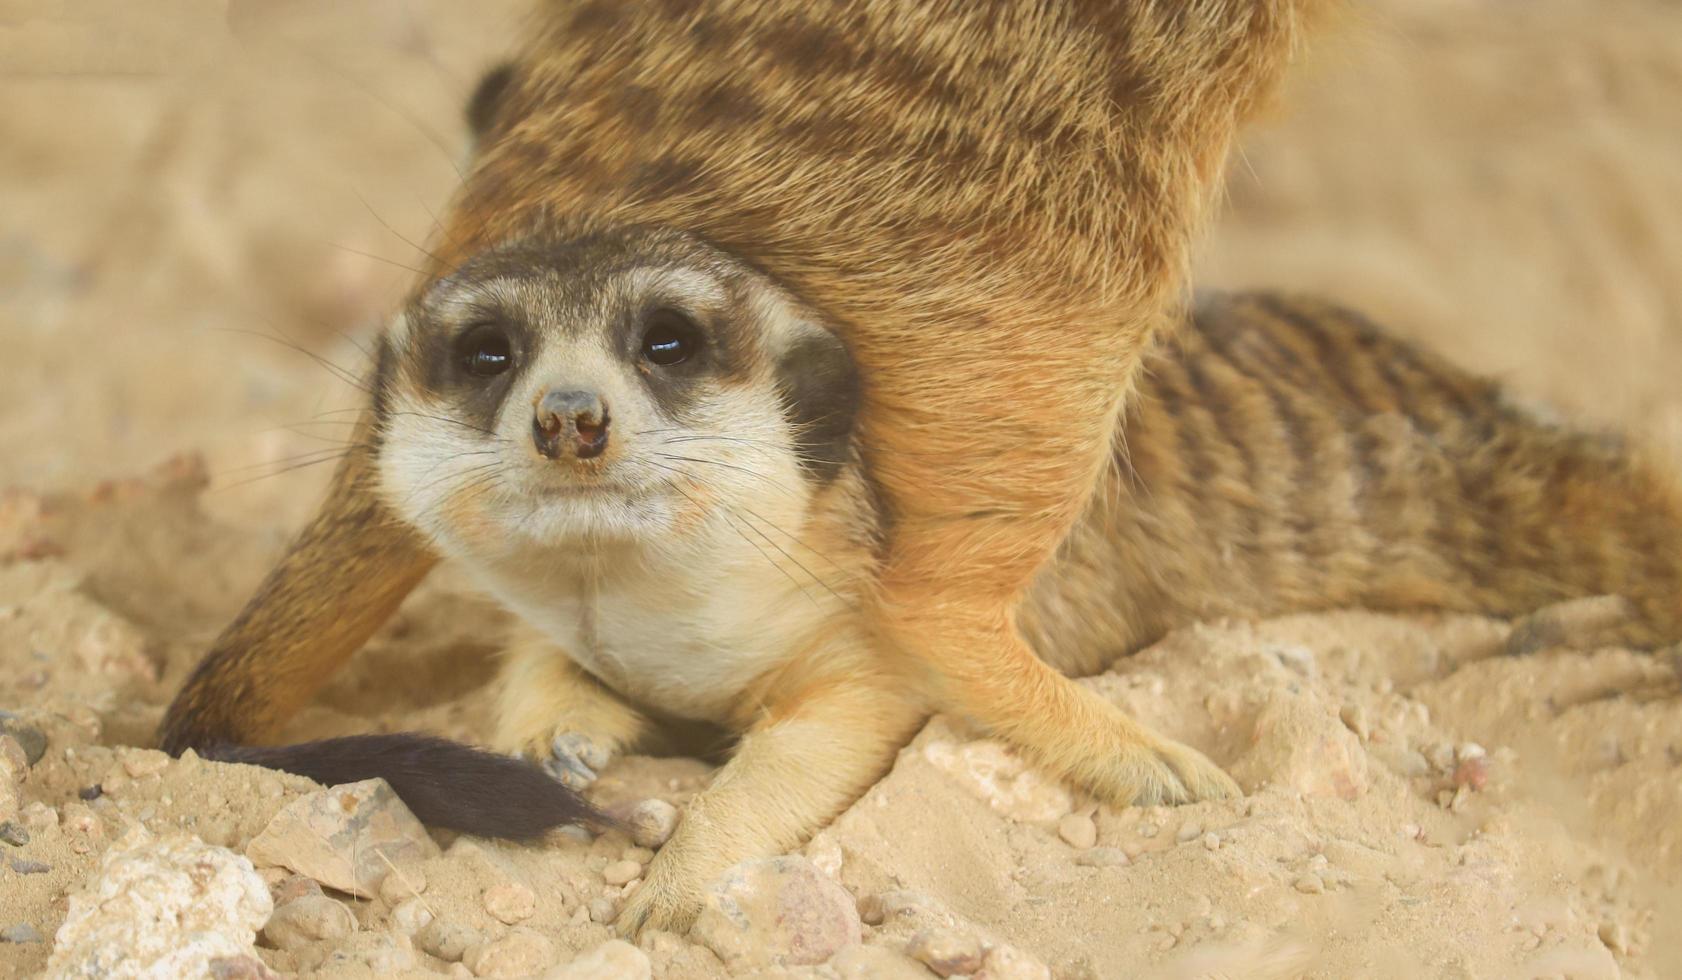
(779, 911)
(162, 907)
(1010, 963)
(621, 872)
(308, 919)
(29, 738)
(21, 932)
(521, 953)
(946, 951)
(612, 960)
(447, 939)
(510, 902)
(347, 837)
(652, 823)
(1078, 831)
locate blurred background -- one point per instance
(188, 187)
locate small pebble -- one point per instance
(1354, 718)
(1103, 857)
(140, 763)
(14, 833)
(31, 739)
(308, 919)
(652, 822)
(1310, 884)
(1078, 831)
(1472, 772)
(1148, 830)
(1009, 963)
(23, 867)
(410, 917)
(447, 940)
(22, 932)
(1212, 841)
(602, 910)
(511, 902)
(38, 817)
(621, 872)
(945, 951)
(90, 793)
(521, 953)
(1189, 832)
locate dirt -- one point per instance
(209, 207)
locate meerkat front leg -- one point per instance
(551, 711)
(811, 755)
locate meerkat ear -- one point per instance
(484, 108)
(820, 388)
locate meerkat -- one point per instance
(988, 204)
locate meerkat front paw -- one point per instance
(669, 899)
(576, 758)
(1160, 771)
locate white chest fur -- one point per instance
(684, 634)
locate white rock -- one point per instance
(521, 952)
(410, 917)
(779, 911)
(308, 919)
(161, 908)
(612, 960)
(996, 774)
(346, 837)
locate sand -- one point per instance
(184, 187)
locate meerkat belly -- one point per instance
(686, 648)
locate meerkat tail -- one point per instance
(446, 784)
(340, 581)
(1286, 455)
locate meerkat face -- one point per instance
(638, 388)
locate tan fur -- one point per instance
(991, 201)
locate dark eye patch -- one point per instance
(820, 387)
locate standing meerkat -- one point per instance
(942, 234)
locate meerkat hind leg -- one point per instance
(553, 712)
(990, 674)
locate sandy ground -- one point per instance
(184, 187)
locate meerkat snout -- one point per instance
(570, 422)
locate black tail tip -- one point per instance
(446, 784)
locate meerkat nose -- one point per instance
(570, 423)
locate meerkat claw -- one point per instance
(576, 759)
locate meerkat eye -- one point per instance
(484, 351)
(671, 338)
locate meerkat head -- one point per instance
(629, 388)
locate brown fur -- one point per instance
(1285, 455)
(991, 201)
